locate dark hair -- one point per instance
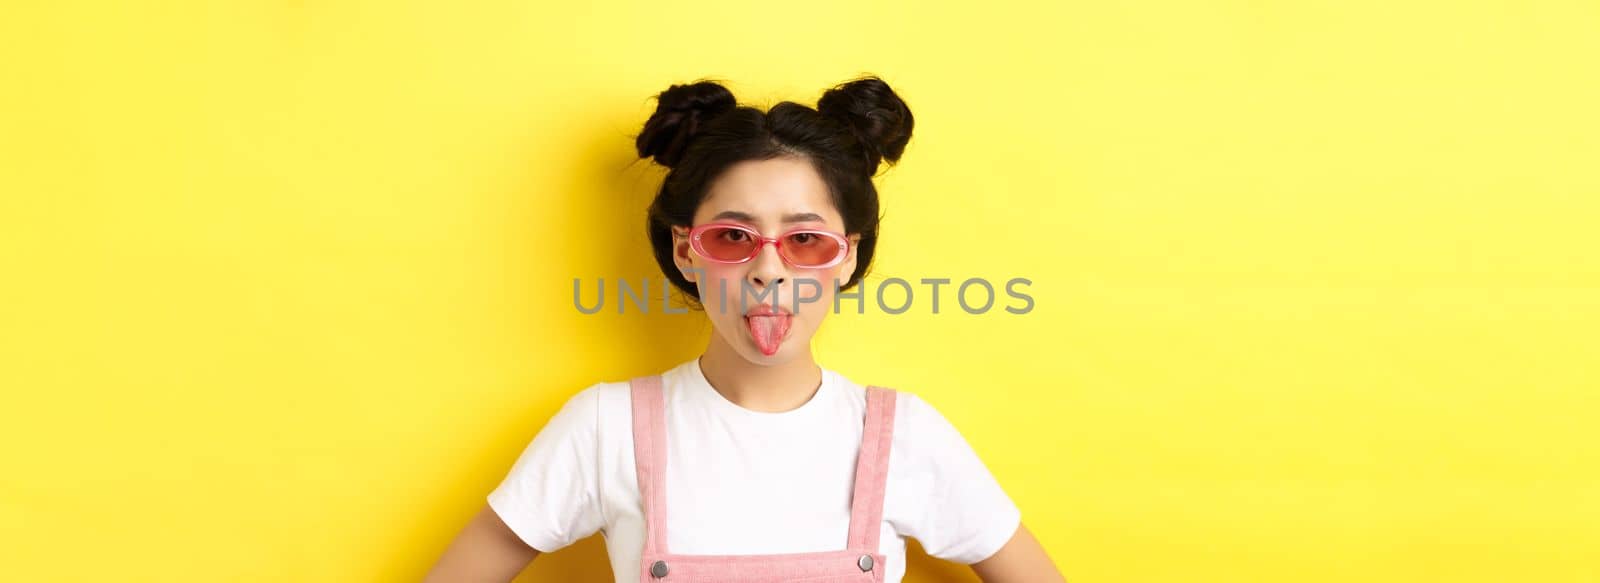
(699, 130)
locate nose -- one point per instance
(768, 268)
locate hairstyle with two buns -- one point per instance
(698, 130)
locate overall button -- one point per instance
(865, 562)
(659, 569)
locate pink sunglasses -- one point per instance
(802, 248)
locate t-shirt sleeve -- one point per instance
(551, 498)
(967, 516)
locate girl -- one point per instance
(751, 462)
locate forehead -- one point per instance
(770, 190)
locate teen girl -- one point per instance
(752, 463)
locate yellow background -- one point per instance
(287, 285)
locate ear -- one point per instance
(849, 265)
(680, 252)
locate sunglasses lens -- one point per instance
(727, 243)
(810, 249)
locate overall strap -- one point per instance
(650, 458)
(872, 470)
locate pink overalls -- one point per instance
(858, 562)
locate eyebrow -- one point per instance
(789, 218)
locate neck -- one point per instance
(766, 388)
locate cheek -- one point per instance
(719, 272)
(821, 286)
(719, 285)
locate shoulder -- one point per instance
(925, 441)
(604, 401)
(912, 408)
(607, 391)
(608, 404)
(857, 392)
(920, 429)
(908, 405)
(590, 408)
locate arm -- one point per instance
(486, 551)
(1021, 560)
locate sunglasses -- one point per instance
(801, 248)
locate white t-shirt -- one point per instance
(748, 482)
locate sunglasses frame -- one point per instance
(777, 243)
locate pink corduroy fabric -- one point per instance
(841, 566)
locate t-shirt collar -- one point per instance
(695, 382)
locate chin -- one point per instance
(753, 354)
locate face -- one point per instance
(771, 196)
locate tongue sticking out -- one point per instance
(768, 331)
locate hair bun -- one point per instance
(875, 114)
(680, 111)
